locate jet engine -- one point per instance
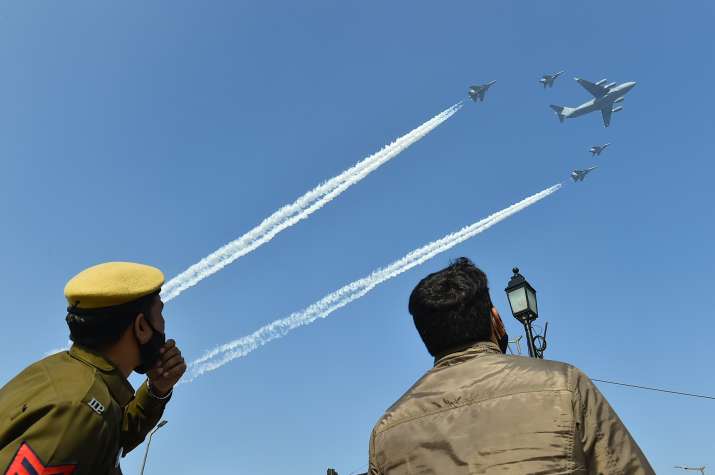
(609, 85)
(620, 99)
(601, 81)
(619, 108)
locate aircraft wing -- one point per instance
(481, 95)
(596, 91)
(606, 113)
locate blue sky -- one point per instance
(159, 131)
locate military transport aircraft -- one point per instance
(478, 91)
(548, 79)
(604, 97)
(579, 175)
(597, 149)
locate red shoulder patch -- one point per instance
(26, 462)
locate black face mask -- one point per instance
(149, 351)
(504, 343)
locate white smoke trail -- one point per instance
(300, 209)
(58, 350)
(225, 353)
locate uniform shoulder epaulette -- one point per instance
(98, 398)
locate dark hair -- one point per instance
(451, 307)
(100, 327)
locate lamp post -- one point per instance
(516, 342)
(522, 300)
(146, 452)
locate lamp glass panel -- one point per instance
(532, 301)
(517, 300)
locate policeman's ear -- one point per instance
(142, 329)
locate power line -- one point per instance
(655, 389)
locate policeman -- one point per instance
(75, 413)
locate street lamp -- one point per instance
(146, 452)
(516, 342)
(522, 300)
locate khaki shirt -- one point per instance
(75, 412)
(479, 411)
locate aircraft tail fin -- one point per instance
(559, 112)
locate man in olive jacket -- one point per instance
(75, 413)
(480, 411)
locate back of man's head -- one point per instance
(452, 307)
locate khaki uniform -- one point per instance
(478, 411)
(75, 412)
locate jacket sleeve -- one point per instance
(69, 437)
(372, 465)
(140, 416)
(607, 445)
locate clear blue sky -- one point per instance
(158, 131)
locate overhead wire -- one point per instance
(654, 389)
(669, 391)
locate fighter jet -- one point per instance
(548, 79)
(478, 91)
(597, 149)
(579, 175)
(698, 469)
(604, 97)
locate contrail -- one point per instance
(57, 350)
(300, 209)
(225, 353)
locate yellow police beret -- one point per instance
(112, 283)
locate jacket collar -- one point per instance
(464, 353)
(118, 386)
